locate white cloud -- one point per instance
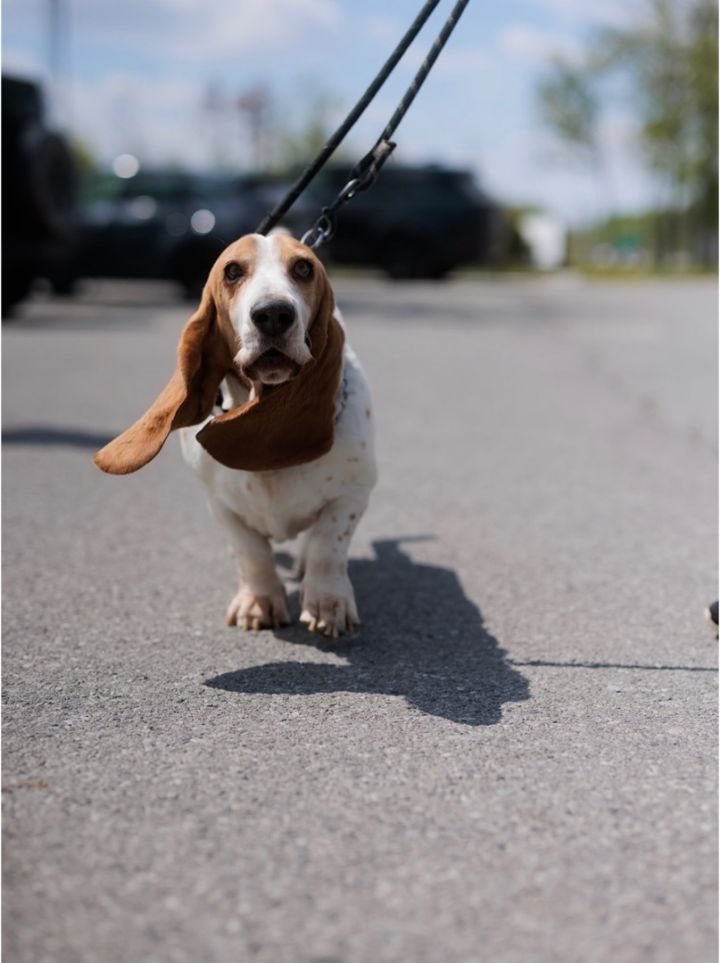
(186, 29)
(530, 43)
(464, 60)
(384, 29)
(611, 13)
(172, 48)
(452, 60)
(115, 115)
(228, 27)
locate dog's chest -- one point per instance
(283, 503)
(280, 504)
(277, 504)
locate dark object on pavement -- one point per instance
(39, 185)
(711, 615)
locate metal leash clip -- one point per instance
(363, 176)
(321, 231)
(324, 228)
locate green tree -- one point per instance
(667, 66)
(569, 104)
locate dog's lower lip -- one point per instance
(272, 354)
(272, 367)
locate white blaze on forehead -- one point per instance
(269, 280)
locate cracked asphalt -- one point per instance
(513, 760)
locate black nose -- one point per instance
(273, 317)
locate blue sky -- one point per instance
(137, 72)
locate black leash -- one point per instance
(329, 149)
(365, 172)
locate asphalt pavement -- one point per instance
(512, 761)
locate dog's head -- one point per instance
(269, 290)
(266, 315)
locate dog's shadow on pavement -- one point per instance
(421, 638)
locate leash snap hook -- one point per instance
(321, 231)
(348, 192)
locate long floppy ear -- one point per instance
(294, 422)
(203, 359)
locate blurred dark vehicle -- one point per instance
(168, 224)
(416, 222)
(39, 188)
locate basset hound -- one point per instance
(294, 450)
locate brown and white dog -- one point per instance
(294, 452)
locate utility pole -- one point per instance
(214, 107)
(255, 106)
(56, 37)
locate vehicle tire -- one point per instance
(50, 183)
(63, 286)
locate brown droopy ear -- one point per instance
(294, 422)
(203, 359)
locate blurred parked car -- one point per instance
(39, 187)
(167, 224)
(416, 222)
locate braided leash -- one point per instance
(365, 173)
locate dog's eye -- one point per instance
(233, 271)
(302, 269)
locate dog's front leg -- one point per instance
(326, 595)
(260, 601)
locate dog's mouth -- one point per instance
(272, 367)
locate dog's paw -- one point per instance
(254, 611)
(328, 607)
